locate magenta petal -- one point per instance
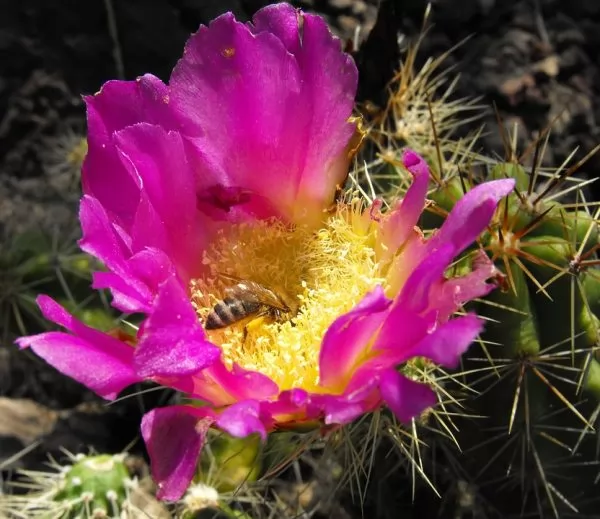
(474, 284)
(329, 81)
(100, 238)
(120, 104)
(170, 221)
(448, 342)
(174, 437)
(242, 419)
(125, 297)
(397, 347)
(472, 214)
(95, 359)
(348, 337)
(172, 342)
(257, 110)
(407, 399)
(360, 396)
(398, 224)
(243, 384)
(339, 411)
(134, 277)
(416, 292)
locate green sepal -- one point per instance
(228, 462)
(572, 226)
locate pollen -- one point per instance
(228, 52)
(324, 272)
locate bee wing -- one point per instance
(256, 293)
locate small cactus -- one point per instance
(92, 487)
(516, 424)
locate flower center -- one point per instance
(303, 279)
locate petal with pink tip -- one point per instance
(453, 293)
(471, 214)
(348, 338)
(174, 437)
(416, 292)
(135, 285)
(406, 398)
(474, 284)
(242, 384)
(398, 346)
(169, 220)
(112, 360)
(172, 342)
(397, 226)
(100, 238)
(448, 342)
(269, 120)
(120, 104)
(244, 418)
(221, 385)
(360, 396)
(135, 277)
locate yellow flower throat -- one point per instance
(327, 271)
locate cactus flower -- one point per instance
(230, 172)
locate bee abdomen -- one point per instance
(229, 311)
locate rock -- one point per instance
(24, 424)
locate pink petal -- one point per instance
(95, 359)
(361, 397)
(169, 220)
(242, 384)
(407, 399)
(473, 284)
(448, 342)
(416, 292)
(242, 419)
(120, 104)
(397, 226)
(134, 277)
(100, 239)
(402, 329)
(348, 338)
(453, 293)
(172, 342)
(125, 296)
(268, 120)
(471, 214)
(289, 403)
(174, 437)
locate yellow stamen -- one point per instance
(326, 271)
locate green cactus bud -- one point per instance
(444, 197)
(95, 486)
(511, 170)
(99, 318)
(590, 283)
(592, 378)
(229, 462)
(572, 226)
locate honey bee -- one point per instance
(248, 299)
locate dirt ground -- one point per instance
(538, 61)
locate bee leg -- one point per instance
(253, 325)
